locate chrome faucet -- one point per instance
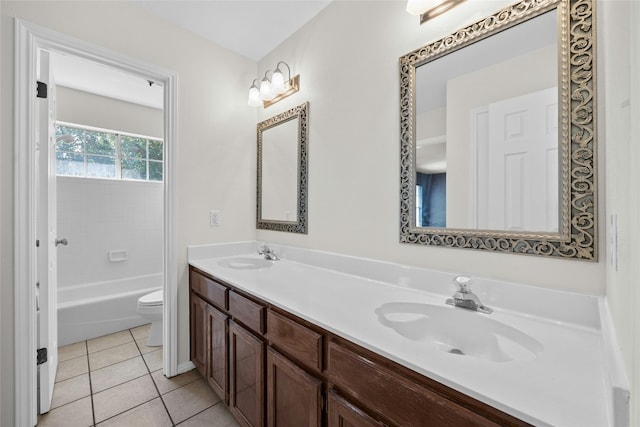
(268, 253)
(465, 298)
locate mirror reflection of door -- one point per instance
(516, 180)
(280, 172)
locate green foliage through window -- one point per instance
(101, 154)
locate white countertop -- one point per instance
(569, 383)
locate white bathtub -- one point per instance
(100, 308)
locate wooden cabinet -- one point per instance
(217, 358)
(199, 339)
(342, 413)
(294, 397)
(246, 376)
(275, 369)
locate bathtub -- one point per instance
(100, 308)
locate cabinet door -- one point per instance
(198, 333)
(345, 414)
(294, 398)
(246, 376)
(217, 357)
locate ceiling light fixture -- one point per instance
(275, 89)
(428, 9)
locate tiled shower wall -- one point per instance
(99, 216)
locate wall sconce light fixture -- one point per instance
(267, 91)
(428, 9)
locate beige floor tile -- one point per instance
(141, 332)
(144, 348)
(123, 397)
(107, 357)
(151, 414)
(165, 384)
(108, 341)
(72, 368)
(154, 360)
(72, 351)
(117, 373)
(216, 416)
(187, 401)
(70, 390)
(75, 414)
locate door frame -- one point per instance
(29, 38)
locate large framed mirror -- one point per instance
(497, 134)
(282, 171)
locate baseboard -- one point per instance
(185, 367)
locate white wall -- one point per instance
(102, 215)
(349, 73)
(216, 152)
(619, 98)
(75, 106)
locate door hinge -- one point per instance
(37, 243)
(42, 90)
(42, 355)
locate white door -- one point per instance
(519, 175)
(47, 293)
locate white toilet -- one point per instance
(150, 308)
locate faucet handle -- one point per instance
(462, 283)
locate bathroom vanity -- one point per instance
(322, 339)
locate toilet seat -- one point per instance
(151, 300)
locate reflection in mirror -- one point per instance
(497, 134)
(282, 171)
(487, 133)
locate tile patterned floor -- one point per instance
(117, 380)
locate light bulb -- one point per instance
(266, 93)
(254, 95)
(277, 82)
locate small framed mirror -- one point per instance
(282, 171)
(497, 134)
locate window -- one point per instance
(86, 152)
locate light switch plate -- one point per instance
(214, 218)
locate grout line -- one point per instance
(205, 409)
(93, 412)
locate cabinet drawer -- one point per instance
(295, 340)
(210, 290)
(394, 397)
(250, 313)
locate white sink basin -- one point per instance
(245, 263)
(459, 332)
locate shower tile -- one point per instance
(153, 360)
(189, 400)
(107, 357)
(166, 385)
(72, 368)
(141, 332)
(216, 416)
(152, 413)
(117, 373)
(108, 341)
(75, 414)
(72, 351)
(70, 390)
(123, 397)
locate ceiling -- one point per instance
(251, 28)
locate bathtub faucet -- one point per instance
(268, 253)
(465, 298)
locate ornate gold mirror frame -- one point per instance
(301, 114)
(577, 236)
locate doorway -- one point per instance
(31, 40)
